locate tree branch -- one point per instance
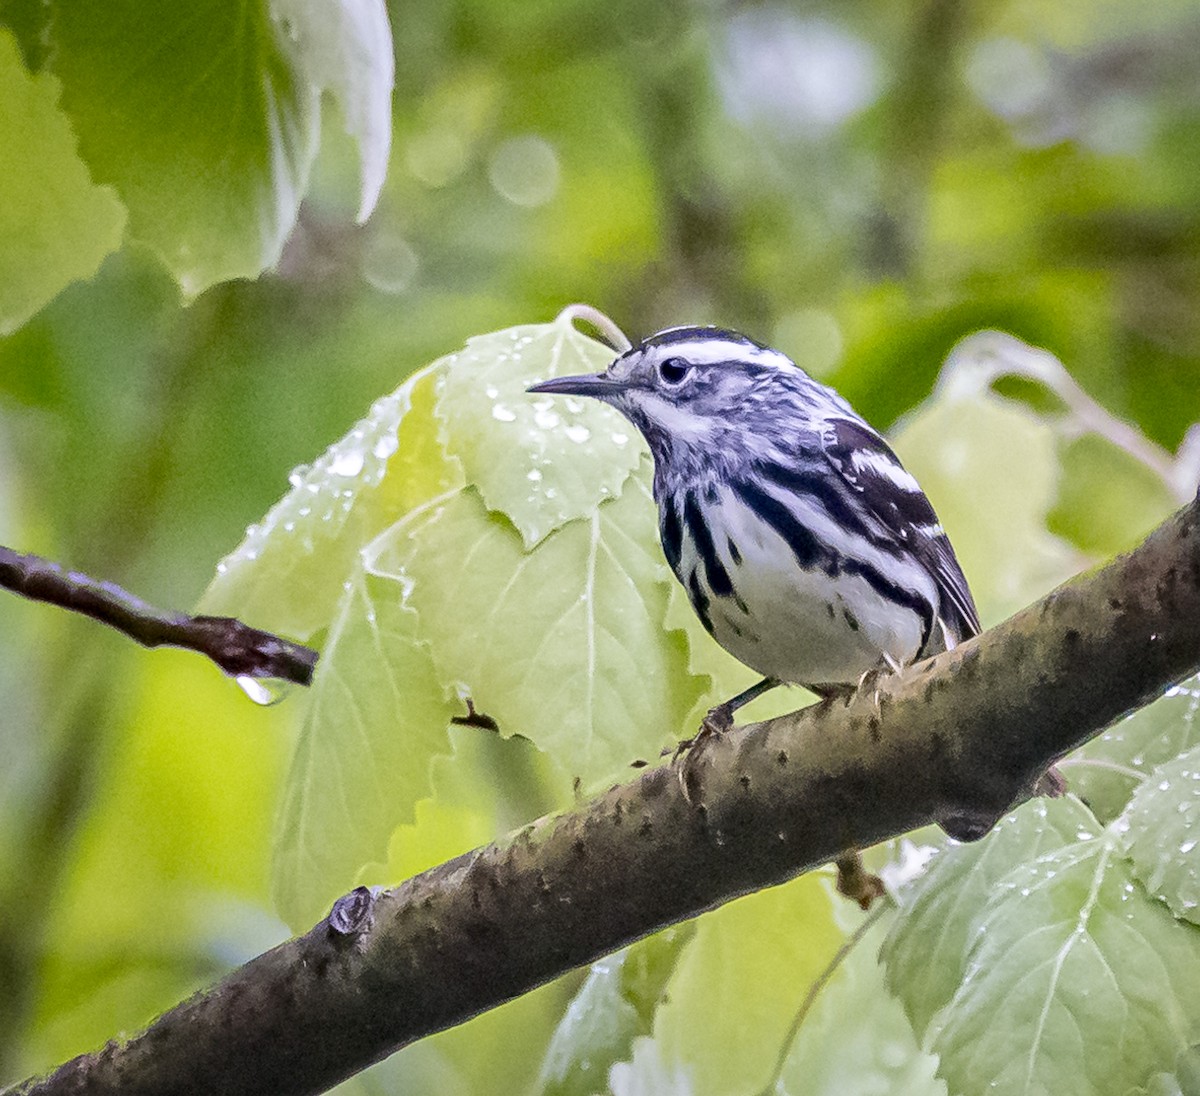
(238, 649)
(955, 740)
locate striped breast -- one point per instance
(794, 579)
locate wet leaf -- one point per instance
(376, 717)
(1161, 828)
(1092, 978)
(1107, 770)
(541, 460)
(289, 572)
(564, 644)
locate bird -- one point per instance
(806, 548)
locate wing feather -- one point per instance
(893, 497)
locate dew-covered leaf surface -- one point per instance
(1054, 971)
(564, 645)
(541, 460)
(1162, 833)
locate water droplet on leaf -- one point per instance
(264, 690)
(347, 464)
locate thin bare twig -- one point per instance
(238, 649)
(814, 991)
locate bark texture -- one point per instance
(956, 740)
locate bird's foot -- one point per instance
(718, 721)
(873, 678)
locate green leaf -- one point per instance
(564, 644)
(489, 786)
(199, 120)
(205, 118)
(1107, 501)
(541, 460)
(926, 952)
(1102, 978)
(1183, 1080)
(648, 1074)
(874, 1055)
(1162, 833)
(1106, 771)
(377, 716)
(55, 225)
(615, 1004)
(730, 1003)
(1069, 978)
(289, 572)
(706, 656)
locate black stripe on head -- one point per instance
(670, 529)
(714, 570)
(708, 347)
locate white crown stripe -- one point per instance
(708, 350)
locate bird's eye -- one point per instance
(674, 370)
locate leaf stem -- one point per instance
(613, 335)
(814, 991)
(983, 358)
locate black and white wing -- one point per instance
(894, 498)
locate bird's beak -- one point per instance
(600, 386)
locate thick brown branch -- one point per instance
(955, 740)
(241, 651)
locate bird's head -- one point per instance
(698, 387)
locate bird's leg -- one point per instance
(720, 719)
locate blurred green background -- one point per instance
(860, 183)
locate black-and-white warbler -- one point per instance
(807, 550)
